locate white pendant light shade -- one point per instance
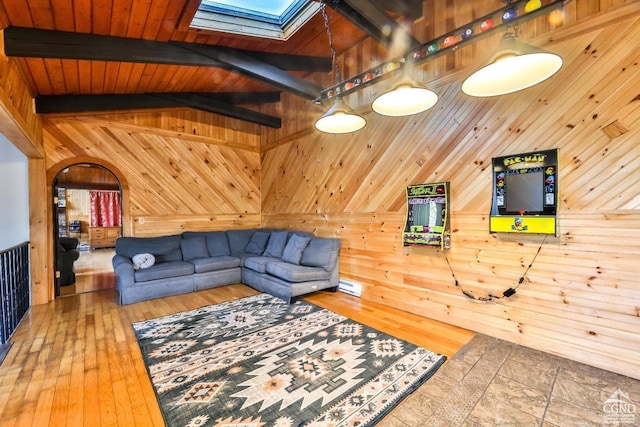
(405, 99)
(517, 66)
(340, 119)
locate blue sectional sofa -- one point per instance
(286, 264)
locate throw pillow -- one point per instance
(295, 246)
(257, 243)
(320, 253)
(143, 261)
(193, 248)
(277, 241)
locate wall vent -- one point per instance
(350, 287)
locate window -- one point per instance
(278, 19)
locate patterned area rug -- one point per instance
(258, 361)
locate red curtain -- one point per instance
(105, 208)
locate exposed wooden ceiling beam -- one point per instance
(371, 17)
(31, 42)
(411, 9)
(222, 104)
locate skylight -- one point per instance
(275, 19)
(273, 7)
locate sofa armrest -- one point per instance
(123, 269)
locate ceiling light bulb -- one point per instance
(405, 99)
(340, 119)
(517, 66)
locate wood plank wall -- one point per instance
(579, 299)
(184, 171)
(581, 296)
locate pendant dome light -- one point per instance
(339, 118)
(515, 67)
(406, 98)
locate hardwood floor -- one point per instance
(94, 272)
(76, 361)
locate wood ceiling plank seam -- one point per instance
(71, 77)
(41, 13)
(169, 23)
(55, 71)
(374, 21)
(38, 69)
(154, 20)
(16, 11)
(143, 85)
(84, 76)
(82, 17)
(186, 77)
(122, 78)
(97, 76)
(112, 70)
(26, 73)
(62, 11)
(249, 67)
(173, 79)
(101, 13)
(120, 17)
(139, 12)
(136, 73)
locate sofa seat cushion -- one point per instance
(203, 265)
(259, 263)
(164, 270)
(296, 273)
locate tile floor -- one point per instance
(491, 382)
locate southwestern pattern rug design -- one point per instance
(260, 362)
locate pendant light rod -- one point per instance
(439, 46)
(339, 118)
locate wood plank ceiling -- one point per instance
(104, 55)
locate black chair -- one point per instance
(68, 253)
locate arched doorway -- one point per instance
(87, 219)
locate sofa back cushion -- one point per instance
(321, 252)
(165, 248)
(238, 240)
(276, 244)
(257, 243)
(217, 243)
(296, 244)
(194, 247)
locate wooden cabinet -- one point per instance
(103, 237)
